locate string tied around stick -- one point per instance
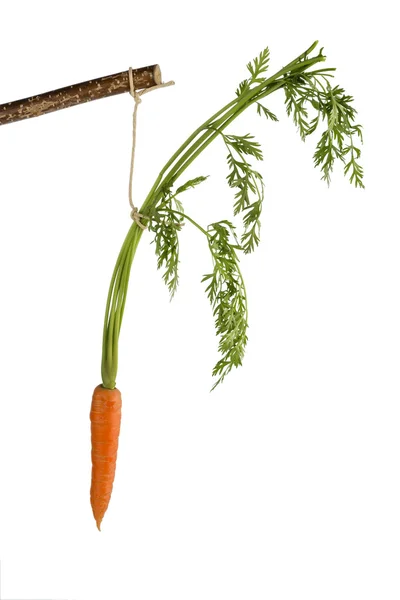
(136, 95)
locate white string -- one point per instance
(136, 95)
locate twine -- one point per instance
(136, 95)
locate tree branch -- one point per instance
(72, 95)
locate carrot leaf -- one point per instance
(312, 92)
(166, 222)
(227, 294)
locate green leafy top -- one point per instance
(311, 101)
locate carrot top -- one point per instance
(311, 101)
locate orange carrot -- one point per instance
(105, 417)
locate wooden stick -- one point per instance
(77, 94)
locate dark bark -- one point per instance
(72, 95)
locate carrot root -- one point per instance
(105, 417)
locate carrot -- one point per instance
(162, 213)
(105, 417)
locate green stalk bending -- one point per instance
(304, 88)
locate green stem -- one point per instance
(115, 306)
(182, 214)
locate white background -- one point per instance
(282, 484)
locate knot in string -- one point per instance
(136, 95)
(137, 216)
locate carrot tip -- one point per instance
(98, 523)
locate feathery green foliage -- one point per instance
(166, 221)
(256, 68)
(313, 93)
(227, 294)
(312, 102)
(165, 224)
(249, 185)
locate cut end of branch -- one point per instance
(157, 75)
